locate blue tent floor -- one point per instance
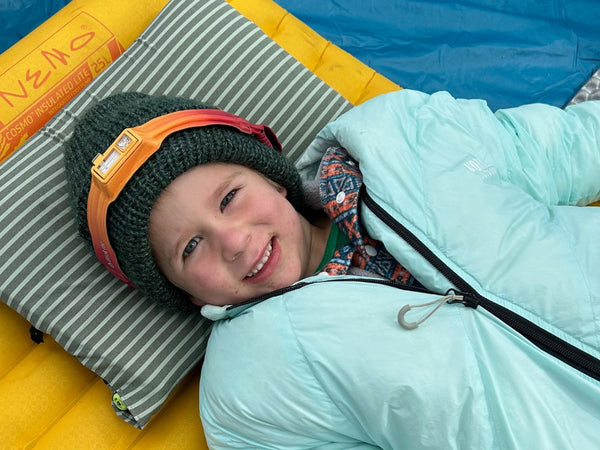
(508, 53)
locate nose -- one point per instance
(232, 241)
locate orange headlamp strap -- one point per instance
(112, 170)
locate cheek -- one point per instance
(205, 284)
(204, 275)
(283, 210)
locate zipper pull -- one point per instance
(451, 297)
(467, 299)
(448, 298)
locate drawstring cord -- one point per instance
(438, 302)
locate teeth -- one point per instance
(262, 261)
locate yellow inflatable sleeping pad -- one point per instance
(47, 68)
(49, 399)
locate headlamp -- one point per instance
(114, 168)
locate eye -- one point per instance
(227, 199)
(190, 247)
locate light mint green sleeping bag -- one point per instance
(468, 200)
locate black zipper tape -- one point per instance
(301, 284)
(550, 343)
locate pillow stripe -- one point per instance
(330, 109)
(44, 300)
(26, 272)
(61, 301)
(58, 250)
(278, 102)
(308, 108)
(255, 81)
(117, 319)
(90, 312)
(245, 49)
(165, 346)
(180, 61)
(12, 166)
(216, 45)
(31, 234)
(282, 69)
(64, 317)
(150, 344)
(41, 193)
(177, 368)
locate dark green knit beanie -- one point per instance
(128, 215)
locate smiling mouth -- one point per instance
(262, 261)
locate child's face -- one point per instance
(224, 234)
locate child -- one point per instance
(167, 236)
(477, 205)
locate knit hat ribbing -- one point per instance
(128, 215)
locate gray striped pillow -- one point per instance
(589, 91)
(201, 49)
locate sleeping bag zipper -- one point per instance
(545, 340)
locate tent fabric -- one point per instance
(19, 17)
(507, 52)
